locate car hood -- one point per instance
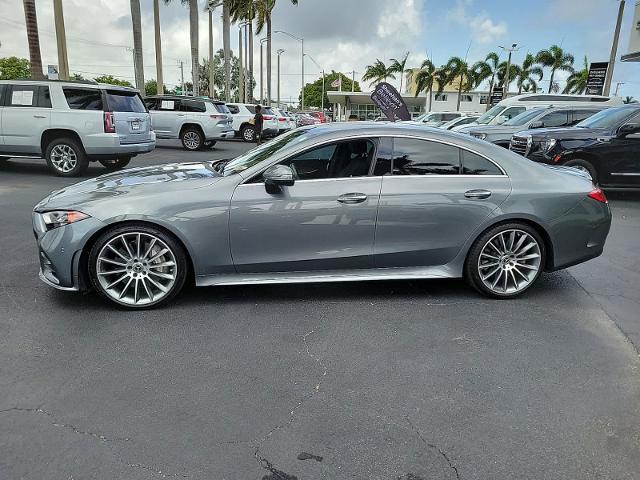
(133, 183)
(564, 133)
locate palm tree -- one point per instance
(577, 81)
(528, 87)
(514, 72)
(398, 66)
(458, 69)
(528, 70)
(137, 45)
(264, 8)
(487, 68)
(158, 41)
(426, 77)
(31, 21)
(245, 10)
(629, 99)
(378, 72)
(556, 59)
(193, 36)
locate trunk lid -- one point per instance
(130, 116)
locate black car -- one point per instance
(606, 145)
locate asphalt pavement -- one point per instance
(409, 380)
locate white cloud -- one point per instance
(483, 29)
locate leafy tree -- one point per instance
(398, 66)
(487, 69)
(458, 70)
(378, 72)
(76, 77)
(528, 70)
(13, 68)
(313, 91)
(577, 81)
(111, 80)
(557, 59)
(514, 72)
(151, 87)
(629, 99)
(428, 76)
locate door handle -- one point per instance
(39, 116)
(181, 114)
(352, 198)
(477, 194)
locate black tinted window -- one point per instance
(121, 101)
(192, 106)
(221, 107)
(421, 157)
(555, 119)
(252, 108)
(579, 115)
(83, 98)
(473, 164)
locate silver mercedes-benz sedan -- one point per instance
(324, 203)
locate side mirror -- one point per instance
(537, 124)
(628, 129)
(276, 176)
(501, 119)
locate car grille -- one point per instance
(519, 145)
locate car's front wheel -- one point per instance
(113, 164)
(505, 260)
(248, 133)
(66, 157)
(137, 266)
(192, 139)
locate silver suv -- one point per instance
(72, 123)
(198, 122)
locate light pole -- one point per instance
(262, 41)
(241, 69)
(617, 87)
(510, 49)
(279, 52)
(614, 50)
(301, 40)
(322, 98)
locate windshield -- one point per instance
(609, 118)
(425, 117)
(264, 151)
(489, 114)
(524, 117)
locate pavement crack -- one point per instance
(435, 447)
(56, 423)
(269, 467)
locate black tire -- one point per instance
(208, 144)
(192, 139)
(472, 265)
(248, 133)
(584, 165)
(181, 263)
(113, 164)
(54, 155)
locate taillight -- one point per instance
(267, 117)
(282, 119)
(109, 125)
(598, 195)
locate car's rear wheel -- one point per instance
(209, 144)
(248, 133)
(113, 164)
(584, 166)
(505, 260)
(66, 157)
(137, 266)
(192, 138)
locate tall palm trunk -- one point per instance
(430, 97)
(250, 79)
(553, 71)
(31, 21)
(226, 41)
(211, 69)
(459, 93)
(137, 45)
(268, 58)
(193, 27)
(61, 41)
(158, 40)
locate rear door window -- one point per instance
(474, 164)
(23, 96)
(83, 98)
(556, 119)
(233, 109)
(123, 101)
(192, 106)
(579, 115)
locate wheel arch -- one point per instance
(52, 134)
(582, 155)
(191, 125)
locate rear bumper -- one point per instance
(219, 135)
(109, 144)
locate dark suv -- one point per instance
(606, 145)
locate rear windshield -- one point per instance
(120, 101)
(221, 107)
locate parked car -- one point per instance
(332, 202)
(531, 119)
(435, 119)
(197, 122)
(463, 120)
(70, 124)
(319, 115)
(303, 119)
(606, 146)
(513, 106)
(284, 124)
(243, 113)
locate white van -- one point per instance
(512, 106)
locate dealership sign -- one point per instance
(387, 98)
(596, 79)
(496, 96)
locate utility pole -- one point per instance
(211, 69)
(617, 87)
(262, 71)
(182, 76)
(506, 73)
(241, 73)
(61, 40)
(614, 50)
(353, 80)
(279, 52)
(158, 41)
(137, 46)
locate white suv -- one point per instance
(72, 123)
(243, 114)
(197, 121)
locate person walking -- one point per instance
(257, 124)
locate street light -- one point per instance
(279, 52)
(510, 49)
(262, 40)
(301, 40)
(317, 65)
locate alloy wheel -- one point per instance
(64, 158)
(136, 268)
(509, 262)
(191, 140)
(248, 134)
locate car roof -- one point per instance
(186, 97)
(71, 83)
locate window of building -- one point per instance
(365, 112)
(466, 98)
(83, 98)
(421, 157)
(440, 97)
(473, 164)
(484, 99)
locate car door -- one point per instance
(25, 116)
(325, 221)
(620, 159)
(434, 196)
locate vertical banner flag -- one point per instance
(387, 98)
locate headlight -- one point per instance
(547, 144)
(60, 218)
(481, 136)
